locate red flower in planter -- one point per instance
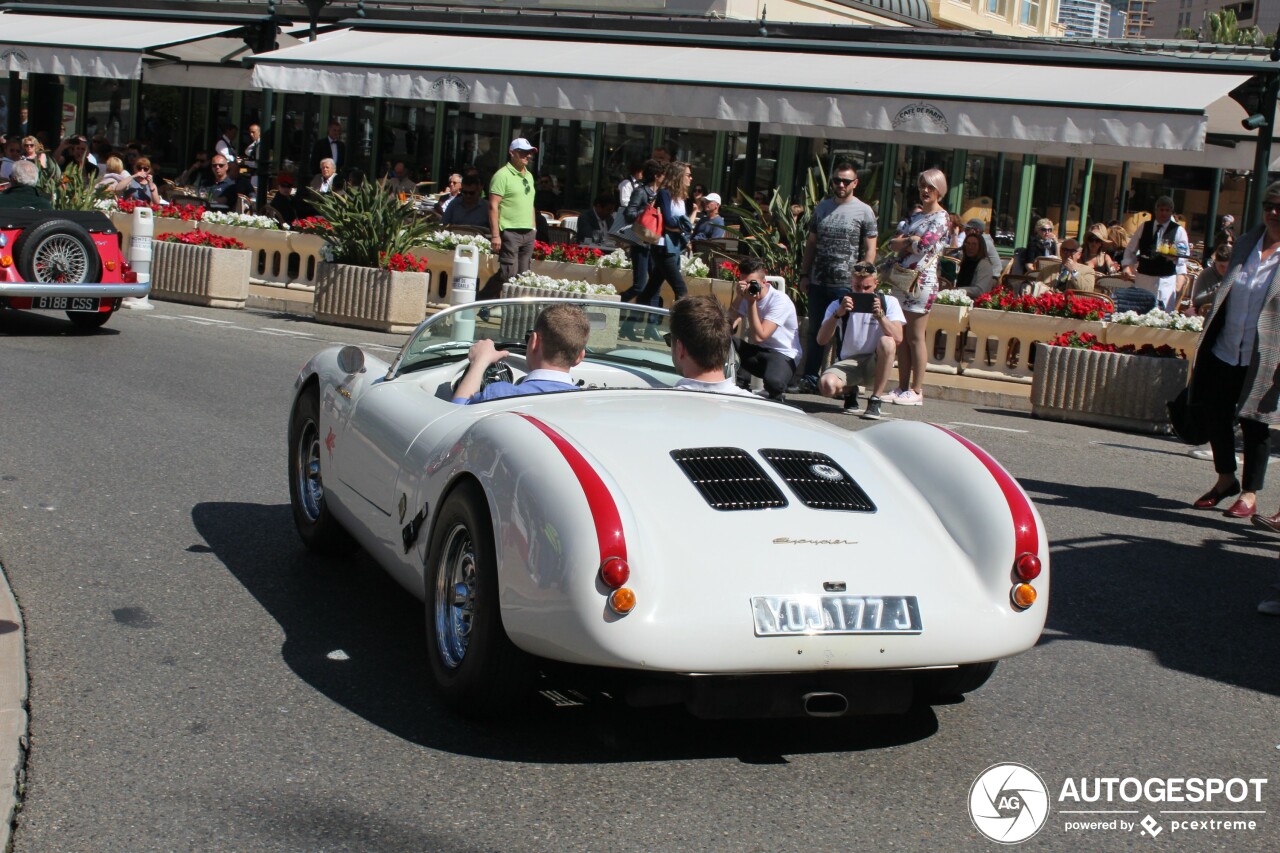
(728, 271)
(201, 238)
(406, 262)
(311, 225)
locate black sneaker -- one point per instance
(806, 385)
(873, 410)
(851, 403)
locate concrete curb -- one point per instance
(13, 709)
(280, 306)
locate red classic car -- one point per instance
(64, 260)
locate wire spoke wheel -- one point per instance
(307, 471)
(61, 259)
(455, 596)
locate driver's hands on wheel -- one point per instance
(482, 354)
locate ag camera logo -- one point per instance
(1009, 803)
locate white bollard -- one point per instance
(139, 255)
(466, 272)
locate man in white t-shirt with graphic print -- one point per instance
(771, 350)
(869, 342)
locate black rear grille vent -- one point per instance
(818, 481)
(729, 479)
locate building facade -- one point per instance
(1085, 18)
(1170, 16)
(1001, 17)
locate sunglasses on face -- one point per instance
(1045, 229)
(1271, 206)
(842, 182)
(219, 165)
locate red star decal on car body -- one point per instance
(329, 441)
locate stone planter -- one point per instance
(567, 271)
(699, 286)
(1107, 389)
(949, 322)
(440, 268)
(1123, 335)
(200, 275)
(723, 290)
(620, 279)
(518, 319)
(270, 249)
(1008, 327)
(305, 257)
(368, 298)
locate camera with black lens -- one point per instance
(754, 288)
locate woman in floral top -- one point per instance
(920, 241)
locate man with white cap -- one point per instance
(511, 216)
(710, 225)
(1159, 251)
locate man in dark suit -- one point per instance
(330, 147)
(23, 192)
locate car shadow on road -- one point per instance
(1193, 606)
(32, 324)
(356, 636)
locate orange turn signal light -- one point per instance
(111, 266)
(1024, 595)
(622, 601)
(6, 261)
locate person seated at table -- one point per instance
(593, 226)
(399, 181)
(557, 344)
(1094, 256)
(547, 197)
(710, 224)
(975, 276)
(22, 190)
(223, 189)
(284, 204)
(141, 185)
(467, 209)
(1074, 273)
(115, 179)
(198, 174)
(1206, 284)
(1119, 239)
(1043, 244)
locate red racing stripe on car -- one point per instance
(603, 509)
(1025, 534)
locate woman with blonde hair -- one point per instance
(1043, 243)
(115, 179)
(32, 150)
(913, 275)
(1119, 242)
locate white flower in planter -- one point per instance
(618, 259)
(693, 266)
(1158, 319)
(954, 296)
(448, 240)
(243, 220)
(546, 282)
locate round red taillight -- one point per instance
(614, 572)
(1027, 566)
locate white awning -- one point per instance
(1035, 109)
(90, 47)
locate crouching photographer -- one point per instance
(871, 326)
(771, 350)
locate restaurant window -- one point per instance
(623, 144)
(698, 149)
(163, 121)
(300, 131)
(408, 135)
(108, 110)
(472, 140)
(766, 172)
(990, 194)
(565, 153)
(867, 158)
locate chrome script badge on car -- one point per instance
(826, 472)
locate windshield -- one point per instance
(621, 333)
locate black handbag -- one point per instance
(1187, 419)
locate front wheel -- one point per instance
(475, 666)
(316, 525)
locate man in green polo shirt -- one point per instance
(511, 216)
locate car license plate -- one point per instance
(65, 303)
(786, 615)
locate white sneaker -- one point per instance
(906, 398)
(137, 303)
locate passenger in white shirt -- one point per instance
(771, 350)
(700, 341)
(869, 342)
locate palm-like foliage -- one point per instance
(369, 224)
(72, 190)
(773, 235)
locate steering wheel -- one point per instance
(499, 371)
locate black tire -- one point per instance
(316, 525)
(937, 685)
(57, 251)
(475, 667)
(89, 319)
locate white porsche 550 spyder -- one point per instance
(725, 552)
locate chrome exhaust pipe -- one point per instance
(825, 704)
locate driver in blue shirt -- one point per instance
(557, 344)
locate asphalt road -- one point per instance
(200, 682)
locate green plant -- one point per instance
(777, 237)
(72, 190)
(369, 225)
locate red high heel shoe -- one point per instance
(1213, 497)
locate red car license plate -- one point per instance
(66, 303)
